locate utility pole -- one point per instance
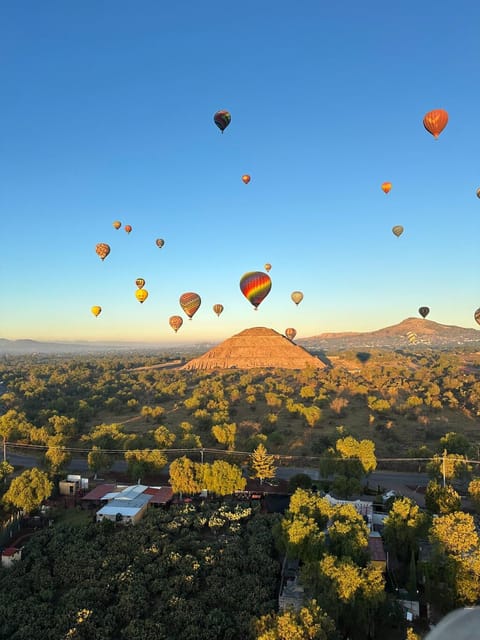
(443, 466)
(201, 455)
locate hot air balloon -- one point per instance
(218, 308)
(386, 186)
(255, 286)
(424, 311)
(478, 193)
(117, 224)
(159, 242)
(397, 230)
(267, 267)
(140, 282)
(435, 121)
(176, 322)
(128, 228)
(290, 333)
(141, 295)
(102, 249)
(476, 315)
(222, 119)
(297, 297)
(363, 356)
(246, 179)
(96, 310)
(190, 302)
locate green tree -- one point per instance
(222, 478)
(185, 476)
(57, 455)
(5, 470)
(143, 461)
(98, 460)
(440, 499)
(310, 623)
(403, 527)
(348, 534)
(28, 490)
(163, 437)
(474, 493)
(262, 464)
(225, 434)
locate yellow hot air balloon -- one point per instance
(140, 282)
(141, 295)
(397, 230)
(297, 297)
(267, 267)
(117, 224)
(96, 310)
(102, 250)
(176, 322)
(218, 308)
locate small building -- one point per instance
(363, 507)
(72, 485)
(378, 557)
(10, 555)
(125, 511)
(126, 503)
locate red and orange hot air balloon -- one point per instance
(117, 224)
(128, 228)
(255, 286)
(175, 322)
(102, 250)
(267, 266)
(386, 187)
(435, 121)
(246, 178)
(190, 303)
(290, 333)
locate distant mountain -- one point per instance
(411, 332)
(26, 347)
(254, 348)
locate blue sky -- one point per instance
(107, 114)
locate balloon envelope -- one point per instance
(140, 282)
(190, 303)
(424, 311)
(386, 186)
(141, 295)
(476, 315)
(222, 119)
(478, 193)
(159, 242)
(128, 228)
(96, 310)
(297, 297)
(268, 266)
(246, 179)
(218, 308)
(435, 121)
(255, 286)
(290, 333)
(102, 250)
(117, 224)
(176, 322)
(397, 230)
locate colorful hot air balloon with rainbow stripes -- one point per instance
(255, 286)
(190, 303)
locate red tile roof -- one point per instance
(10, 551)
(99, 492)
(160, 495)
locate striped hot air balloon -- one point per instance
(222, 119)
(397, 230)
(218, 308)
(255, 286)
(190, 303)
(290, 333)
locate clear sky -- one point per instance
(107, 114)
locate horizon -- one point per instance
(108, 116)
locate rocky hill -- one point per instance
(254, 348)
(410, 332)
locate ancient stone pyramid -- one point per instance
(254, 348)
